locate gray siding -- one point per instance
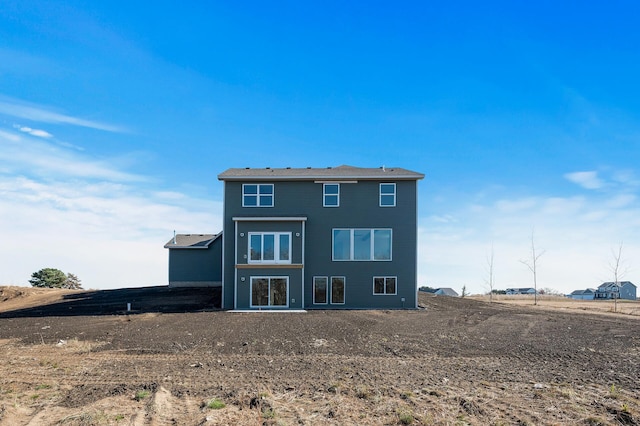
(196, 267)
(359, 208)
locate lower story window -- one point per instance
(384, 285)
(320, 290)
(337, 290)
(269, 291)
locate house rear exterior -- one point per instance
(323, 238)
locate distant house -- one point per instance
(527, 290)
(587, 294)
(445, 291)
(617, 290)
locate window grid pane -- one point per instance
(337, 290)
(320, 290)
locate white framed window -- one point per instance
(257, 195)
(269, 292)
(331, 195)
(269, 247)
(337, 290)
(385, 285)
(362, 244)
(387, 195)
(320, 290)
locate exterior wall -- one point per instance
(196, 267)
(359, 208)
(628, 291)
(581, 296)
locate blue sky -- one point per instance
(116, 117)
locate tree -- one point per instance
(489, 281)
(464, 291)
(72, 282)
(615, 266)
(54, 278)
(532, 264)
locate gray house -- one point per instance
(446, 291)
(526, 290)
(617, 290)
(325, 238)
(586, 294)
(195, 260)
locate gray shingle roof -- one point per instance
(191, 241)
(310, 173)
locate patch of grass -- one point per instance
(140, 395)
(39, 387)
(406, 395)
(614, 392)
(363, 392)
(406, 417)
(215, 404)
(35, 396)
(269, 413)
(119, 417)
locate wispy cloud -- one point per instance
(33, 132)
(587, 180)
(22, 153)
(38, 113)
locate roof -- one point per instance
(328, 173)
(191, 241)
(586, 291)
(620, 283)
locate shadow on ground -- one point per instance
(113, 302)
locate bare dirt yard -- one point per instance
(79, 358)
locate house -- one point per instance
(446, 291)
(616, 290)
(195, 260)
(587, 294)
(527, 290)
(326, 238)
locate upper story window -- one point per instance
(387, 195)
(331, 195)
(257, 195)
(269, 247)
(362, 244)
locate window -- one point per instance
(254, 195)
(387, 195)
(331, 195)
(269, 291)
(362, 244)
(269, 247)
(337, 290)
(384, 285)
(320, 290)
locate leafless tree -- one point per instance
(616, 268)
(532, 264)
(490, 279)
(464, 291)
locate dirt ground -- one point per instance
(176, 361)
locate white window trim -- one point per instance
(344, 290)
(276, 248)
(314, 290)
(269, 278)
(324, 195)
(352, 245)
(385, 286)
(258, 185)
(395, 191)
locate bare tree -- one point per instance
(532, 264)
(464, 291)
(615, 267)
(490, 280)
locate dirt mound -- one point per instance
(454, 361)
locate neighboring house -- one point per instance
(326, 238)
(587, 294)
(446, 291)
(617, 290)
(527, 290)
(195, 260)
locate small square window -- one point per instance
(331, 195)
(254, 195)
(385, 285)
(387, 195)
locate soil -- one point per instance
(80, 358)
